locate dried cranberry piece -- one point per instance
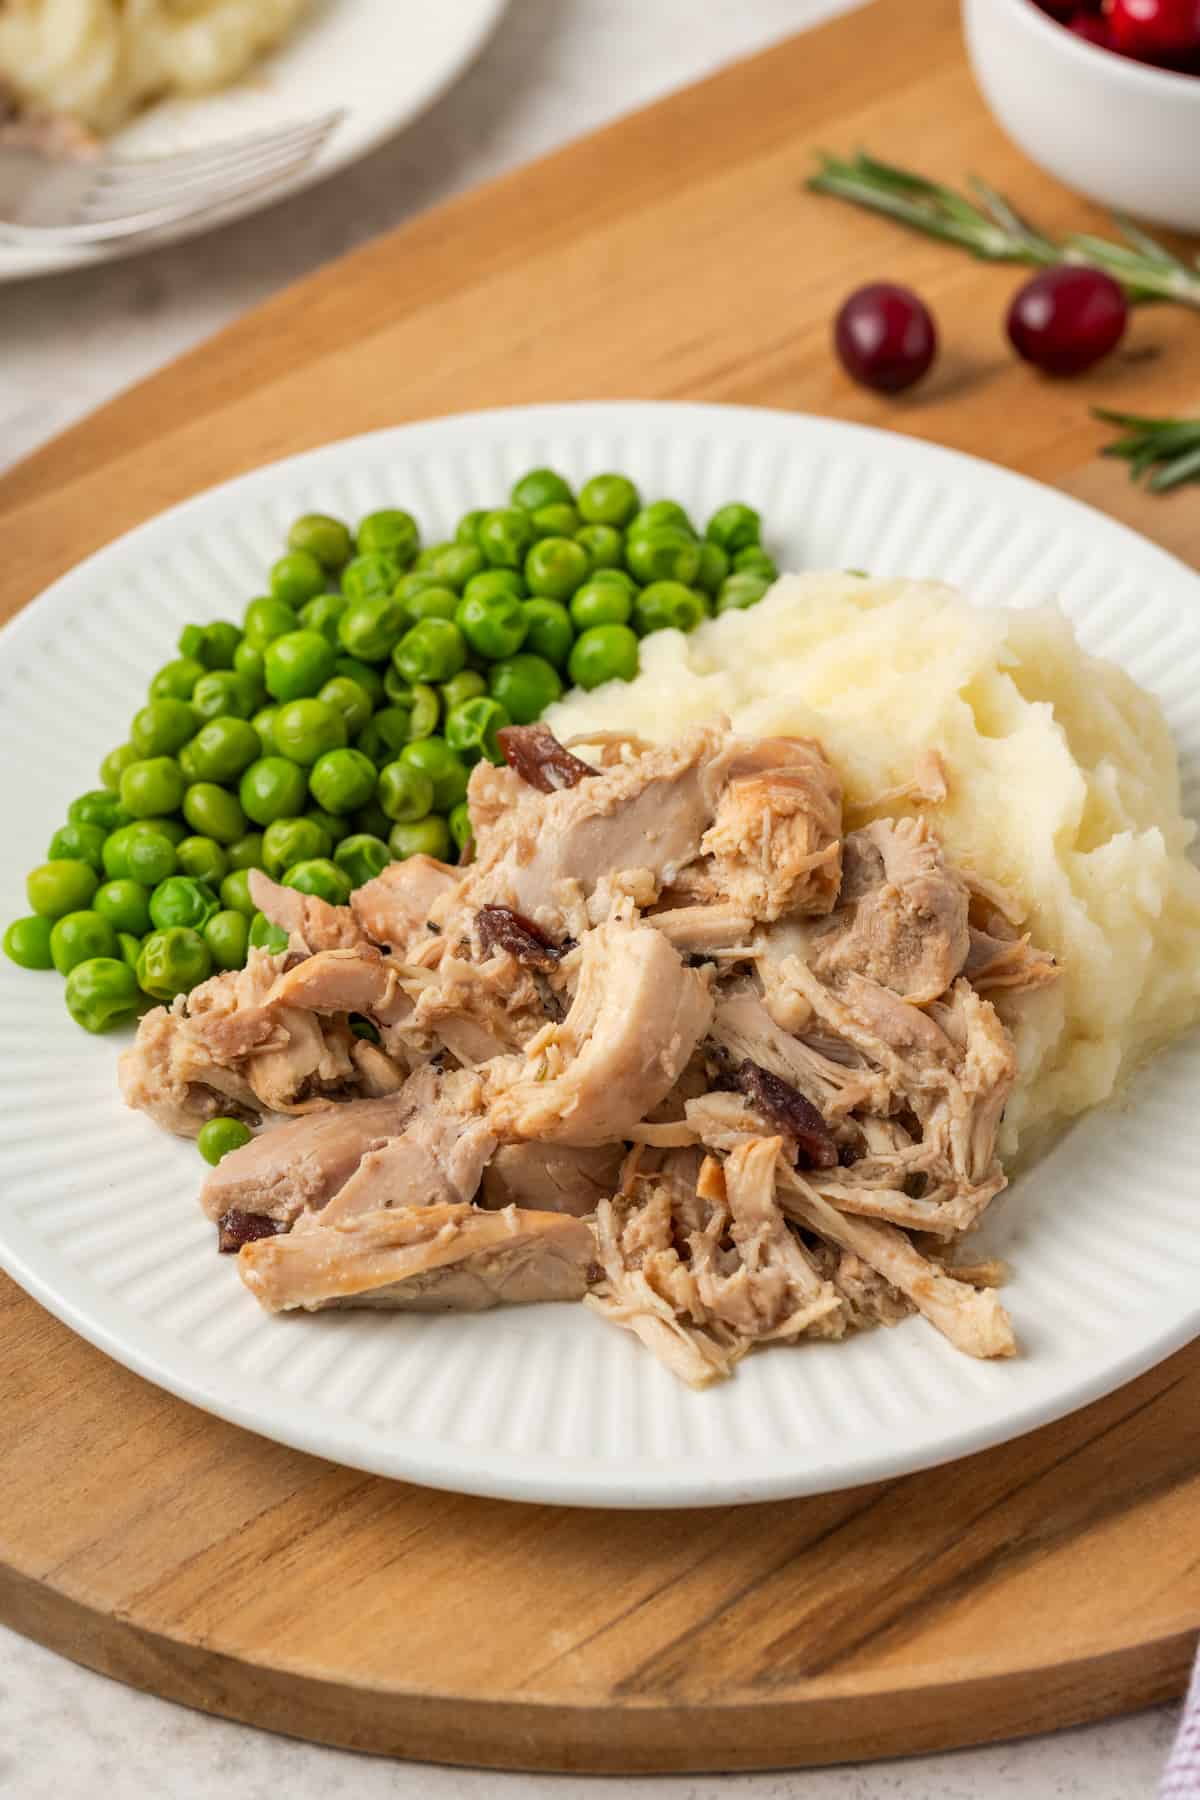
(540, 760)
(237, 1228)
(502, 929)
(787, 1108)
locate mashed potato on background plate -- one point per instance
(101, 60)
(1063, 789)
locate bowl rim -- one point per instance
(1123, 68)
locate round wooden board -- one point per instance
(1041, 1584)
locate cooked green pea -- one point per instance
(251, 664)
(609, 500)
(741, 591)
(227, 935)
(305, 729)
(525, 686)
(404, 793)
(349, 668)
(616, 578)
(191, 641)
(362, 857)
(491, 582)
(223, 747)
(152, 786)
(267, 619)
(606, 653)
(82, 843)
(203, 859)
(428, 837)
(424, 710)
(130, 946)
(177, 680)
(225, 695)
(116, 845)
(213, 811)
(335, 829)
(432, 651)
(505, 536)
(27, 943)
(755, 561)
(324, 615)
(342, 781)
(297, 577)
(433, 757)
(78, 937)
(219, 1136)
(349, 700)
(187, 765)
(217, 645)
(246, 852)
(299, 664)
(162, 727)
(714, 567)
(457, 563)
(663, 553)
(272, 788)
(467, 529)
(265, 936)
(559, 519)
(495, 625)
(471, 729)
(385, 735)
(316, 534)
(461, 830)
(415, 583)
(321, 878)
(468, 684)
(393, 531)
(173, 962)
(150, 858)
(369, 628)
(549, 632)
(600, 603)
(115, 765)
(734, 527)
(604, 544)
(174, 830)
(555, 567)
(125, 904)
(370, 577)
(659, 513)
(432, 603)
(235, 893)
(98, 807)
(101, 993)
(263, 724)
(182, 901)
(288, 841)
(541, 487)
(667, 606)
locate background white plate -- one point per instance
(384, 61)
(98, 1213)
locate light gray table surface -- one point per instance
(554, 69)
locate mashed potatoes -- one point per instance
(1064, 788)
(100, 60)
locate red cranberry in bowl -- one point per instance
(885, 337)
(1155, 30)
(1066, 319)
(1092, 29)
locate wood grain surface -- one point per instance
(1055, 1580)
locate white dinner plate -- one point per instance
(98, 1208)
(383, 61)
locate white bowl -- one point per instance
(1119, 131)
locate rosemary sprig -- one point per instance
(989, 227)
(1171, 447)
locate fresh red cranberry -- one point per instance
(1155, 29)
(1091, 29)
(1064, 320)
(885, 337)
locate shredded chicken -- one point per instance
(673, 1042)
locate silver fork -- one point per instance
(58, 202)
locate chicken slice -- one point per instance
(776, 838)
(901, 918)
(704, 930)
(1007, 962)
(436, 1160)
(636, 1018)
(395, 909)
(431, 1259)
(743, 1028)
(551, 1178)
(178, 1081)
(311, 923)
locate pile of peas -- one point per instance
(334, 730)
